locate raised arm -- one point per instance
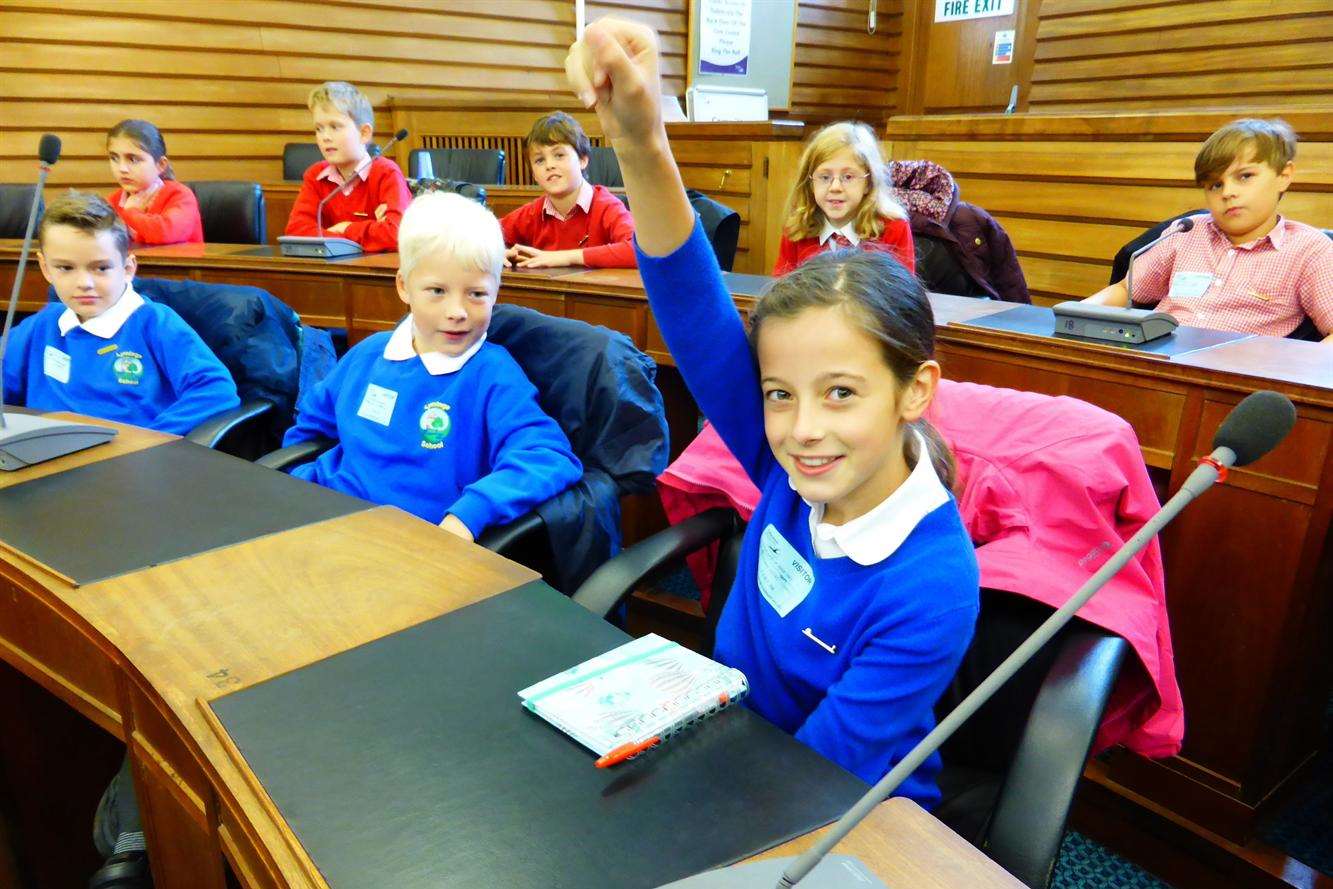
(615, 69)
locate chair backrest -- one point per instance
(256, 336)
(1120, 265)
(722, 225)
(597, 385)
(603, 168)
(939, 269)
(232, 212)
(485, 166)
(15, 206)
(297, 157)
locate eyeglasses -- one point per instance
(824, 180)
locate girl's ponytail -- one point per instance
(937, 450)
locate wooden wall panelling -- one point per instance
(839, 70)
(1070, 190)
(1142, 54)
(227, 82)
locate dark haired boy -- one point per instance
(104, 350)
(1242, 267)
(574, 222)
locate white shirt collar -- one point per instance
(871, 538)
(436, 363)
(107, 324)
(848, 231)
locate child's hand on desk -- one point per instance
(456, 527)
(524, 257)
(380, 212)
(337, 229)
(615, 67)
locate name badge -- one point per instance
(1190, 285)
(55, 364)
(377, 404)
(785, 579)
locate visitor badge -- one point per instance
(1187, 285)
(377, 404)
(55, 364)
(785, 579)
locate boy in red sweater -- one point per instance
(575, 222)
(373, 192)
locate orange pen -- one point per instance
(626, 751)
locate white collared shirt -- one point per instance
(848, 231)
(583, 202)
(400, 348)
(107, 324)
(871, 538)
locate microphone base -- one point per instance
(28, 439)
(318, 248)
(834, 872)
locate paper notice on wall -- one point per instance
(958, 10)
(724, 36)
(1002, 52)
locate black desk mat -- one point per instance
(1040, 321)
(155, 505)
(409, 762)
(741, 284)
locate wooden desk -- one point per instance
(1248, 631)
(137, 654)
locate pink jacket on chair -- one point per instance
(1050, 488)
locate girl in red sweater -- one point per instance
(156, 208)
(843, 197)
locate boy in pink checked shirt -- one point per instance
(1243, 267)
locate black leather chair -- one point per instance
(1010, 773)
(485, 166)
(603, 168)
(722, 225)
(232, 212)
(15, 206)
(264, 346)
(297, 157)
(601, 391)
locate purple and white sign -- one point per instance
(724, 36)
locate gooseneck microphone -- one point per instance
(1180, 226)
(26, 439)
(48, 152)
(1253, 428)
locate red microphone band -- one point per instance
(1220, 467)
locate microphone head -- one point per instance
(1256, 426)
(49, 149)
(400, 135)
(1184, 225)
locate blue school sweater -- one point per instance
(474, 442)
(897, 629)
(153, 372)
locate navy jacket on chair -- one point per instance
(601, 391)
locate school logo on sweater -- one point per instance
(435, 425)
(128, 368)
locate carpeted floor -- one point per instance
(1085, 864)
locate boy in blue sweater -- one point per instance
(857, 589)
(431, 418)
(104, 350)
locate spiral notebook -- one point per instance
(648, 688)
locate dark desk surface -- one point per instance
(410, 762)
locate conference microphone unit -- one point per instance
(26, 439)
(1253, 428)
(323, 246)
(1180, 226)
